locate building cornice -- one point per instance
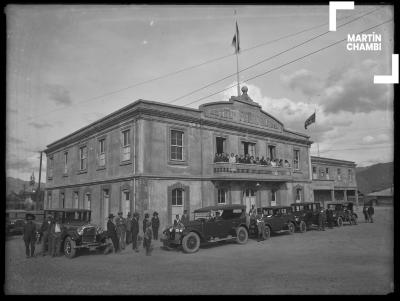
(328, 161)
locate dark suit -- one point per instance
(135, 232)
(44, 235)
(371, 212)
(29, 237)
(112, 233)
(155, 224)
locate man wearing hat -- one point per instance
(128, 228)
(44, 234)
(29, 235)
(121, 230)
(55, 237)
(155, 225)
(147, 238)
(135, 231)
(112, 232)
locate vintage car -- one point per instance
(76, 231)
(277, 219)
(306, 215)
(207, 226)
(343, 212)
(15, 220)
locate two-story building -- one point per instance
(333, 180)
(151, 156)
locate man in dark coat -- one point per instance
(112, 232)
(371, 212)
(145, 220)
(155, 225)
(365, 211)
(29, 235)
(121, 230)
(185, 217)
(44, 234)
(135, 231)
(128, 228)
(321, 219)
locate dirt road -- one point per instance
(347, 260)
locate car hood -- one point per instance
(190, 224)
(72, 225)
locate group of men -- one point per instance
(49, 236)
(368, 213)
(124, 231)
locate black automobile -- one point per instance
(76, 231)
(208, 226)
(277, 219)
(343, 212)
(306, 215)
(15, 220)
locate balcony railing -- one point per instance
(251, 170)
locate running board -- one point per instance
(216, 239)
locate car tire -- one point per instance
(191, 243)
(241, 235)
(303, 227)
(291, 227)
(69, 248)
(339, 222)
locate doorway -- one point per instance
(106, 207)
(249, 198)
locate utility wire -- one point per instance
(283, 65)
(269, 58)
(191, 67)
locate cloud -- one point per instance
(151, 22)
(14, 140)
(144, 42)
(39, 125)
(23, 164)
(345, 88)
(378, 139)
(59, 94)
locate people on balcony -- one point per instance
(247, 159)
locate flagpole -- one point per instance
(315, 113)
(237, 57)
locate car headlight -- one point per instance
(171, 229)
(297, 218)
(80, 230)
(12, 223)
(99, 230)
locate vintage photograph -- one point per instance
(200, 149)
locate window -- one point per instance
(76, 199)
(83, 158)
(321, 173)
(271, 152)
(66, 162)
(327, 173)
(350, 175)
(249, 148)
(296, 159)
(88, 200)
(126, 146)
(62, 200)
(221, 196)
(298, 195)
(49, 200)
(102, 155)
(177, 197)
(176, 145)
(126, 202)
(314, 172)
(51, 164)
(220, 145)
(339, 175)
(273, 198)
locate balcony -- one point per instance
(251, 171)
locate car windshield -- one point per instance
(202, 215)
(77, 216)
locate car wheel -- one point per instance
(303, 227)
(291, 227)
(241, 235)
(69, 248)
(339, 222)
(191, 243)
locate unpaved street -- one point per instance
(348, 260)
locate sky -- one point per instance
(69, 65)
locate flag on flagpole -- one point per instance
(235, 41)
(309, 120)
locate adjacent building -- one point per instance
(333, 180)
(151, 156)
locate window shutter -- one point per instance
(187, 200)
(169, 205)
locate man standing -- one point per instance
(135, 231)
(112, 232)
(329, 216)
(185, 217)
(321, 220)
(121, 230)
(29, 235)
(261, 227)
(44, 234)
(128, 228)
(55, 234)
(155, 225)
(371, 212)
(365, 211)
(145, 220)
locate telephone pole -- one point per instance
(38, 193)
